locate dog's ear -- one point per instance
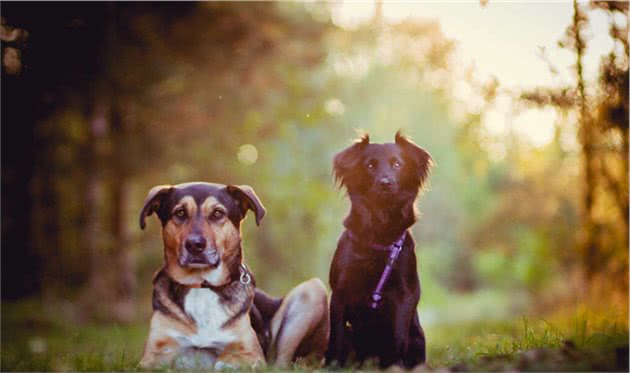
(247, 199)
(348, 159)
(421, 159)
(154, 201)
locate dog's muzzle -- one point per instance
(196, 254)
(385, 186)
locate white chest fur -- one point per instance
(204, 307)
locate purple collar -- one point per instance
(377, 246)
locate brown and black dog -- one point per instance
(207, 312)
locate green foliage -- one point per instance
(528, 267)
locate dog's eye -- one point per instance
(180, 213)
(217, 214)
(396, 164)
(371, 165)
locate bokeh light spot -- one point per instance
(334, 106)
(247, 154)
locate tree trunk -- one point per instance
(94, 227)
(586, 137)
(44, 223)
(121, 251)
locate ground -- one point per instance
(38, 338)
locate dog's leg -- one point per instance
(416, 350)
(159, 352)
(402, 323)
(160, 348)
(244, 353)
(338, 345)
(301, 325)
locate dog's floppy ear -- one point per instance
(247, 199)
(154, 201)
(421, 158)
(348, 159)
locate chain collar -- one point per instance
(245, 278)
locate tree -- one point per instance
(603, 138)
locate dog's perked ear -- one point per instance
(154, 201)
(247, 199)
(348, 159)
(421, 159)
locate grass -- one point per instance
(530, 345)
(37, 338)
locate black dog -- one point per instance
(383, 181)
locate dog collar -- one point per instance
(377, 246)
(245, 279)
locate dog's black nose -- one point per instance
(195, 244)
(385, 182)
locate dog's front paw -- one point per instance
(195, 359)
(220, 365)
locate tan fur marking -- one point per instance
(209, 205)
(188, 203)
(161, 348)
(247, 350)
(223, 235)
(174, 308)
(173, 234)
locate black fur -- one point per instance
(261, 314)
(383, 182)
(167, 290)
(171, 290)
(233, 292)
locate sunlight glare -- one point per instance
(357, 66)
(536, 125)
(351, 15)
(495, 122)
(515, 65)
